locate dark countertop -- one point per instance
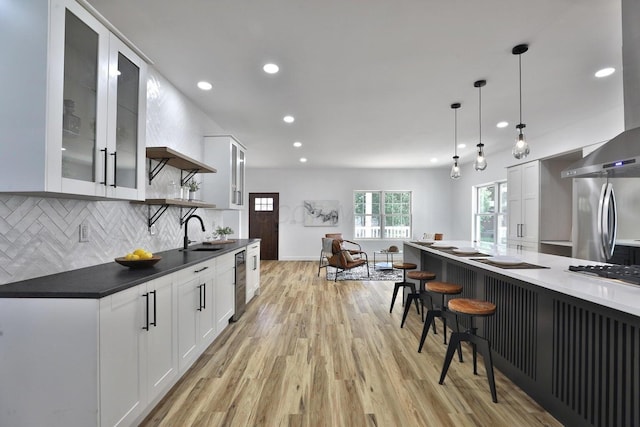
(101, 280)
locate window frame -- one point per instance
(381, 215)
(498, 216)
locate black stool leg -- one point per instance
(454, 342)
(414, 294)
(431, 315)
(407, 307)
(395, 294)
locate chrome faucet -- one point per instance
(186, 227)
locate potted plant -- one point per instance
(223, 232)
(193, 186)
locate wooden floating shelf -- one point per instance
(176, 202)
(178, 160)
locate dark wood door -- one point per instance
(263, 222)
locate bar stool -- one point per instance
(472, 308)
(404, 266)
(443, 289)
(422, 276)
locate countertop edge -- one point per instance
(112, 277)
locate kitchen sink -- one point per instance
(204, 248)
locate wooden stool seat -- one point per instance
(472, 307)
(404, 266)
(444, 288)
(421, 275)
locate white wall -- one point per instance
(431, 201)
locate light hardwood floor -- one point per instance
(312, 352)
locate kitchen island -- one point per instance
(569, 340)
(101, 346)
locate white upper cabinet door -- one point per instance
(126, 118)
(72, 127)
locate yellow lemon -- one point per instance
(128, 256)
(146, 255)
(139, 252)
(135, 257)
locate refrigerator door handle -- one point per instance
(607, 220)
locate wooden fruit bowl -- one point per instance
(139, 263)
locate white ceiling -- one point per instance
(370, 83)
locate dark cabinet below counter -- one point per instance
(625, 255)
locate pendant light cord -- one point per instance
(455, 132)
(520, 83)
(480, 113)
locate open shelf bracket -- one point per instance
(157, 168)
(185, 216)
(190, 174)
(156, 215)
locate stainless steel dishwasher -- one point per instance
(240, 285)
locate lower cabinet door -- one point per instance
(161, 339)
(207, 317)
(189, 301)
(122, 377)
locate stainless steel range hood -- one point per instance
(620, 157)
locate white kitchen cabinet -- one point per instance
(523, 199)
(196, 311)
(226, 188)
(253, 270)
(137, 350)
(80, 125)
(225, 290)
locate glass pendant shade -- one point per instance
(521, 149)
(481, 161)
(455, 169)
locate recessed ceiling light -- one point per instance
(462, 145)
(303, 160)
(605, 72)
(297, 144)
(502, 125)
(434, 160)
(205, 85)
(271, 68)
(288, 119)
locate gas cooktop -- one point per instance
(626, 273)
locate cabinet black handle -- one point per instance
(104, 182)
(146, 296)
(204, 296)
(200, 296)
(115, 169)
(202, 269)
(155, 311)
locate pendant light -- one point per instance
(481, 162)
(455, 169)
(521, 149)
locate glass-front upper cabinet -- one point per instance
(225, 189)
(77, 103)
(127, 112)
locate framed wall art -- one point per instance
(321, 213)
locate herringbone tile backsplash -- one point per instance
(40, 235)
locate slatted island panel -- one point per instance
(570, 341)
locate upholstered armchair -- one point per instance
(354, 248)
(335, 256)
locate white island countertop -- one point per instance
(610, 293)
(628, 242)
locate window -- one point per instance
(382, 214)
(490, 213)
(264, 204)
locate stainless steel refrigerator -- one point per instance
(604, 210)
(606, 197)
